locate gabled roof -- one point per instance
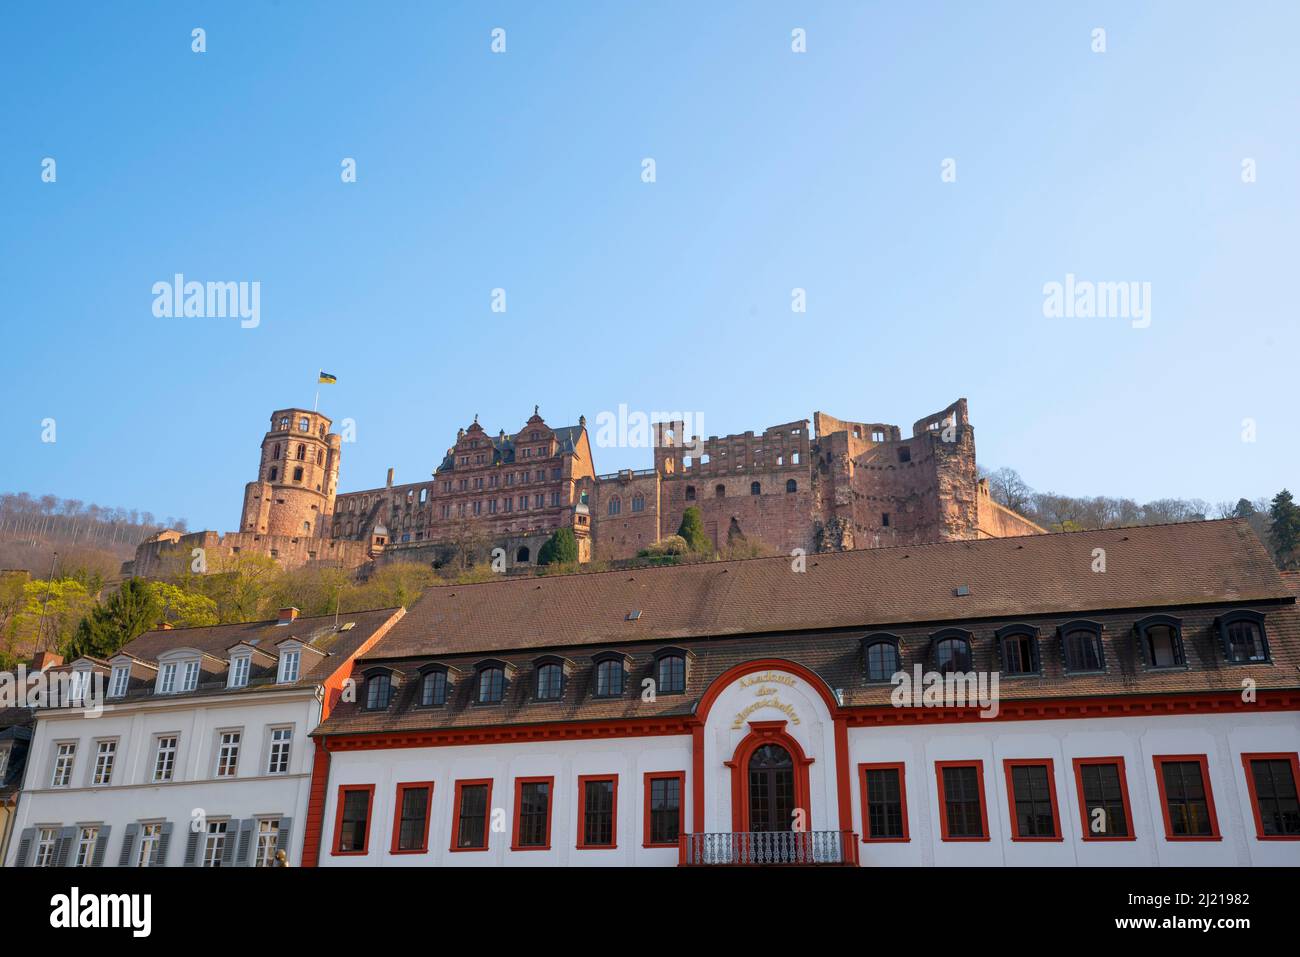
(503, 447)
(1148, 566)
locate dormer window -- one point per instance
(1242, 636)
(611, 676)
(79, 684)
(120, 679)
(433, 688)
(239, 668)
(1081, 646)
(379, 691)
(491, 684)
(670, 673)
(190, 679)
(880, 654)
(550, 681)
(290, 666)
(1018, 649)
(952, 652)
(1161, 639)
(167, 679)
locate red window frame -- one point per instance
(549, 781)
(487, 815)
(651, 776)
(978, 765)
(1158, 761)
(1118, 761)
(902, 801)
(344, 789)
(1248, 757)
(397, 816)
(582, 844)
(1007, 765)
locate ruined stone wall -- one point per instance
(172, 556)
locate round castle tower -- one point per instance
(296, 477)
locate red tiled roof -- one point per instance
(1148, 566)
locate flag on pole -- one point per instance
(327, 378)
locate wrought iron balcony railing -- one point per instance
(756, 848)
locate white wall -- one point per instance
(629, 758)
(1222, 738)
(132, 796)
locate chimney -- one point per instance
(287, 615)
(390, 478)
(46, 659)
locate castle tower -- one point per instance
(296, 477)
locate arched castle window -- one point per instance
(1243, 637)
(522, 556)
(638, 503)
(1081, 644)
(284, 423)
(304, 424)
(791, 485)
(880, 655)
(615, 505)
(297, 474)
(1161, 638)
(690, 493)
(952, 652)
(755, 488)
(1018, 649)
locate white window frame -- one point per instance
(290, 666)
(101, 772)
(65, 760)
(225, 747)
(4, 761)
(119, 681)
(47, 839)
(284, 745)
(240, 667)
(190, 681)
(167, 678)
(150, 836)
(213, 851)
(87, 836)
(268, 842)
(159, 752)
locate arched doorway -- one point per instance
(771, 789)
(521, 556)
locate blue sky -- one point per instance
(522, 171)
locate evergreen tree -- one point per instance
(692, 529)
(1284, 534)
(1243, 509)
(560, 549)
(131, 611)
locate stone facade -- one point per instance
(838, 486)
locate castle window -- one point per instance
(284, 423)
(322, 430)
(1018, 647)
(297, 474)
(638, 503)
(791, 486)
(1243, 637)
(615, 505)
(609, 678)
(904, 454)
(690, 493)
(522, 556)
(1162, 641)
(1081, 644)
(884, 519)
(720, 491)
(794, 459)
(304, 424)
(379, 691)
(877, 435)
(306, 527)
(880, 653)
(491, 685)
(302, 452)
(755, 488)
(275, 451)
(952, 652)
(274, 472)
(320, 457)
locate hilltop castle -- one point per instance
(844, 485)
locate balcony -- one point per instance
(769, 848)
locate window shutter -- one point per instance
(128, 842)
(192, 840)
(66, 836)
(245, 838)
(232, 841)
(25, 846)
(286, 829)
(164, 841)
(101, 846)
